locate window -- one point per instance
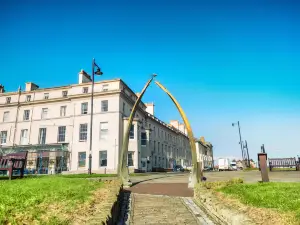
(103, 158)
(8, 100)
(44, 113)
(104, 106)
(105, 87)
(65, 94)
(143, 139)
(28, 98)
(46, 95)
(123, 107)
(103, 130)
(158, 144)
(154, 131)
(24, 137)
(155, 161)
(83, 132)
(154, 143)
(84, 108)
(42, 136)
(26, 115)
(3, 137)
(131, 133)
(81, 159)
(6, 116)
(61, 134)
(130, 158)
(63, 110)
(85, 90)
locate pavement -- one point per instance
(164, 199)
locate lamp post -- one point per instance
(98, 72)
(241, 143)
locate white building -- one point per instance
(205, 153)
(53, 124)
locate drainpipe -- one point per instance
(16, 120)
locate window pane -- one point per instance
(105, 87)
(103, 158)
(46, 95)
(84, 108)
(65, 93)
(24, 139)
(42, 136)
(143, 138)
(104, 106)
(131, 133)
(28, 98)
(81, 159)
(26, 115)
(44, 113)
(8, 99)
(85, 90)
(3, 137)
(63, 110)
(83, 132)
(5, 116)
(61, 134)
(103, 130)
(130, 158)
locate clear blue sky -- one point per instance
(223, 60)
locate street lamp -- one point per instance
(241, 143)
(97, 72)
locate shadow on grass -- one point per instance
(120, 210)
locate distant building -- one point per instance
(53, 124)
(204, 153)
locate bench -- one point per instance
(12, 162)
(283, 162)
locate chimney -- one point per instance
(182, 127)
(84, 77)
(2, 90)
(202, 140)
(31, 86)
(175, 124)
(150, 108)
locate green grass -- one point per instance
(28, 199)
(284, 197)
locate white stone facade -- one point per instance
(204, 153)
(45, 121)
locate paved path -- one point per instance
(165, 199)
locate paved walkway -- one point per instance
(161, 200)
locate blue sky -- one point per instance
(223, 60)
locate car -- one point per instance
(179, 168)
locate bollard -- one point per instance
(262, 161)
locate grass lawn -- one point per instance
(43, 198)
(284, 197)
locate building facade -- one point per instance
(53, 125)
(205, 153)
